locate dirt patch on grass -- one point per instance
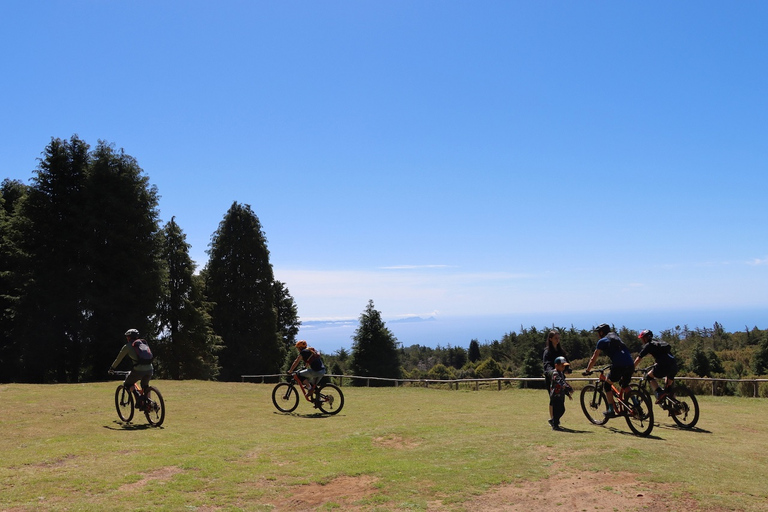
(396, 442)
(342, 492)
(161, 474)
(588, 491)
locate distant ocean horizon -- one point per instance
(459, 331)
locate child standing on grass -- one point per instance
(558, 391)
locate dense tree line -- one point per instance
(701, 352)
(83, 258)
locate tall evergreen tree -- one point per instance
(240, 282)
(474, 351)
(122, 255)
(374, 348)
(11, 260)
(188, 345)
(50, 313)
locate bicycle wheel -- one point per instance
(640, 417)
(124, 403)
(330, 399)
(684, 407)
(594, 403)
(285, 397)
(154, 406)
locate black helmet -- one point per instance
(647, 333)
(603, 329)
(132, 333)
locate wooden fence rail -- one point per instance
(499, 381)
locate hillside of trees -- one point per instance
(84, 257)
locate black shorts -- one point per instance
(622, 375)
(668, 370)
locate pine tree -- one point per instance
(187, 345)
(50, 311)
(11, 259)
(474, 351)
(374, 348)
(121, 255)
(240, 282)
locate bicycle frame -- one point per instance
(306, 392)
(618, 396)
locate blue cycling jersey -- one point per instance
(613, 347)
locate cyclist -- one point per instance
(142, 368)
(622, 366)
(553, 351)
(314, 369)
(665, 366)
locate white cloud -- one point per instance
(759, 261)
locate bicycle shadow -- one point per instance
(306, 415)
(629, 433)
(675, 426)
(127, 427)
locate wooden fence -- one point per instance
(475, 383)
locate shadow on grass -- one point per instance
(572, 431)
(630, 433)
(129, 426)
(307, 415)
(675, 426)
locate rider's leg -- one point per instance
(669, 384)
(654, 383)
(306, 381)
(608, 388)
(131, 379)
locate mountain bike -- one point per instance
(679, 402)
(636, 406)
(326, 397)
(151, 402)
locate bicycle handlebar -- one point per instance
(598, 370)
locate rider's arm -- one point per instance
(637, 360)
(123, 352)
(593, 359)
(295, 364)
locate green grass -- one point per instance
(224, 447)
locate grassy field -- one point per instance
(225, 447)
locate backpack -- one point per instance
(142, 351)
(663, 347)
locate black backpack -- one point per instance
(143, 351)
(662, 347)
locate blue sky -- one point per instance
(535, 161)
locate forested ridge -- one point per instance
(84, 257)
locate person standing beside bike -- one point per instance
(553, 351)
(665, 367)
(558, 390)
(622, 365)
(142, 362)
(314, 369)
